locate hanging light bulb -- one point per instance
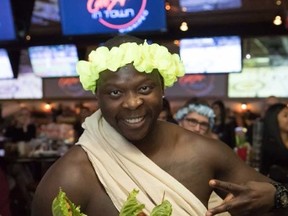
(277, 20)
(183, 26)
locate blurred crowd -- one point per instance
(260, 139)
(33, 134)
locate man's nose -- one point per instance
(132, 101)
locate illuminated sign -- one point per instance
(107, 12)
(111, 16)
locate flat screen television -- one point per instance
(45, 19)
(209, 5)
(80, 17)
(220, 54)
(6, 71)
(259, 82)
(26, 86)
(7, 28)
(54, 60)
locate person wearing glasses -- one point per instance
(197, 116)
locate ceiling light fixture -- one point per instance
(167, 6)
(176, 42)
(183, 26)
(184, 9)
(277, 20)
(278, 2)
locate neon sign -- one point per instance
(118, 14)
(90, 17)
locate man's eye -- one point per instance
(145, 89)
(115, 93)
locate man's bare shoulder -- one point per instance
(74, 165)
(72, 173)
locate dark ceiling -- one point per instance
(253, 21)
(255, 17)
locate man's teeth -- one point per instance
(134, 120)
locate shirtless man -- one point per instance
(129, 104)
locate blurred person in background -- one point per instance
(224, 126)
(22, 127)
(274, 150)
(257, 131)
(166, 114)
(77, 126)
(249, 119)
(197, 116)
(67, 115)
(20, 131)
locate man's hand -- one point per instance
(252, 198)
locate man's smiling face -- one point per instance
(130, 101)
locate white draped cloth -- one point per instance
(122, 167)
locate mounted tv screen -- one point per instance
(7, 28)
(209, 5)
(54, 60)
(26, 86)
(45, 19)
(259, 82)
(6, 71)
(222, 54)
(80, 17)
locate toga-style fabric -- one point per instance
(121, 167)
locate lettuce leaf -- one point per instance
(164, 209)
(62, 206)
(131, 206)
